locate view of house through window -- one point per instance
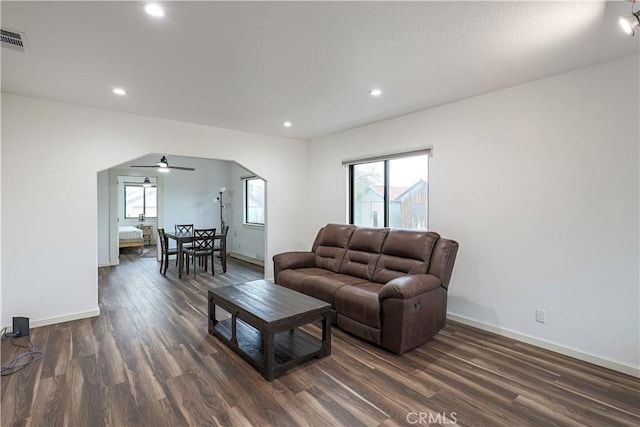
(254, 201)
(140, 200)
(391, 193)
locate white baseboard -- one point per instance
(248, 259)
(557, 348)
(60, 319)
(107, 264)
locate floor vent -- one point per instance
(14, 40)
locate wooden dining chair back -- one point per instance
(165, 251)
(184, 228)
(201, 248)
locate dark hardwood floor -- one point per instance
(148, 360)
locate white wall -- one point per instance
(189, 197)
(539, 184)
(1, 259)
(103, 219)
(247, 240)
(63, 146)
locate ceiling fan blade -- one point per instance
(181, 168)
(140, 166)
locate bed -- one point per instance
(130, 237)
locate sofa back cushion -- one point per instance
(405, 252)
(363, 252)
(331, 245)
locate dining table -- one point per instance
(187, 237)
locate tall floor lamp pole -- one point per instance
(220, 191)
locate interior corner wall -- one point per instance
(246, 240)
(1, 285)
(539, 183)
(63, 146)
(103, 219)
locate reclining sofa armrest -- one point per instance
(287, 260)
(409, 286)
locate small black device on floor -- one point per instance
(20, 327)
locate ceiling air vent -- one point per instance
(15, 40)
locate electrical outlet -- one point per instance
(541, 316)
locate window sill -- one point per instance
(253, 226)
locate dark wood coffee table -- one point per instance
(264, 325)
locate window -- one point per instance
(140, 200)
(253, 201)
(392, 191)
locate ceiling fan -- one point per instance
(163, 166)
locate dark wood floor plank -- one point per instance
(50, 403)
(336, 392)
(144, 385)
(122, 409)
(160, 413)
(58, 350)
(110, 360)
(162, 362)
(86, 403)
(148, 360)
(19, 388)
(82, 339)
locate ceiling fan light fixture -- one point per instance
(147, 182)
(163, 166)
(629, 22)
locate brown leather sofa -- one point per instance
(388, 287)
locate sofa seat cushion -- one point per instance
(292, 279)
(316, 282)
(360, 302)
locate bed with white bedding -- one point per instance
(130, 237)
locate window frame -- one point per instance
(385, 159)
(144, 200)
(245, 193)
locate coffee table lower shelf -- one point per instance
(264, 327)
(290, 347)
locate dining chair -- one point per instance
(166, 251)
(202, 248)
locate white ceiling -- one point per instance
(252, 65)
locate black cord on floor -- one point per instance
(20, 361)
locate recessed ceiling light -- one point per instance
(119, 91)
(287, 124)
(154, 9)
(375, 92)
